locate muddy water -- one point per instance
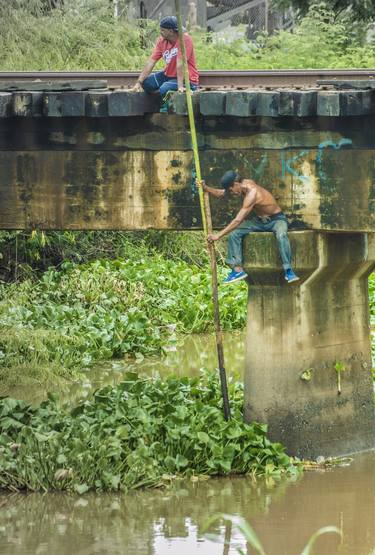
(284, 513)
(185, 357)
(162, 522)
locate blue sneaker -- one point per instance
(290, 276)
(164, 108)
(234, 276)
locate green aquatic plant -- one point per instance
(252, 539)
(371, 289)
(306, 375)
(141, 433)
(80, 314)
(339, 367)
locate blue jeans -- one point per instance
(277, 223)
(160, 82)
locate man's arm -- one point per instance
(149, 66)
(218, 193)
(248, 204)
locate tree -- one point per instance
(360, 10)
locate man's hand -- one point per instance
(201, 184)
(137, 87)
(181, 89)
(212, 237)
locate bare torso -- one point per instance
(265, 203)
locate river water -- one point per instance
(284, 513)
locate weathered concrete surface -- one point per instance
(135, 172)
(299, 331)
(269, 103)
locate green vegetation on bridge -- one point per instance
(89, 38)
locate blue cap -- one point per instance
(228, 179)
(169, 22)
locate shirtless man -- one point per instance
(268, 217)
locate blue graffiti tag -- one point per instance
(336, 146)
(319, 154)
(286, 166)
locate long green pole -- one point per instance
(206, 219)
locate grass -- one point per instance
(85, 36)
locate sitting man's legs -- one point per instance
(280, 229)
(279, 226)
(154, 81)
(235, 251)
(168, 86)
(159, 82)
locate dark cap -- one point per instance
(228, 179)
(169, 22)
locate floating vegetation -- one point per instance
(322, 463)
(141, 433)
(81, 314)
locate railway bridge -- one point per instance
(103, 158)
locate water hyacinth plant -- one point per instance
(140, 433)
(80, 314)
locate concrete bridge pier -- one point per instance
(302, 338)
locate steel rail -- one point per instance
(210, 78)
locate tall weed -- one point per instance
(85, 36)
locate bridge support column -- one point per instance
(302, 339)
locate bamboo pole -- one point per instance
(206, 220)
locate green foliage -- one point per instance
(80, 314)
(141, 433)
(42, 357)
(318, 41)
(358, 10)
(372, 315)
(371, 282)
(27, 255)
(80, 35)
(86, 36)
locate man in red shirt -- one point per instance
(172, 77)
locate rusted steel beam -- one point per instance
(212, 78)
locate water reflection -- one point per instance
(160, 522)
(185, 358)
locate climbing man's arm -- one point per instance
(248, 204)
(218, 193)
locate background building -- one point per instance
(216, 14)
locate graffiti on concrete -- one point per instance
(336, 146)
(287, 167)
(292, 163)
(319, 156)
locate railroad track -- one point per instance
(213, 78)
